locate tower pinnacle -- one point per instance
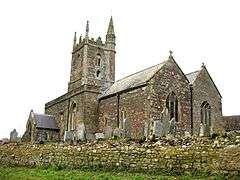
(87, 29)
(110, 37)
(110, 27)
(74, 39)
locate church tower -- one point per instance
(93, 62)
(92, 72)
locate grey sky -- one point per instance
(36, 40)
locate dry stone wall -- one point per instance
(151, 157)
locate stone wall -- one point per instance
(231, 123)
(170, 79)
(210, 157)
(205, 90)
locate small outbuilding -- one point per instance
(41, 127)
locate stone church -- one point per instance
(159, 100)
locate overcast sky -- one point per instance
(36, 40)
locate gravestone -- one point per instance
(99, 135)
(145, 129)
(81, 132)
(201, 130)
(68, 136)
(117, 132)
(108, 132)
(172, 127)
(13, 136)
(165, 117)
(157, 128)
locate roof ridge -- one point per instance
(140, 71)
(43, 114)
(192, 72)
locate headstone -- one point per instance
(68, 136)
(165, 121)
(117, 132)
(13, 136)
(201, 131)
(81, 132)
(108, 132)
(99, 135)
(157, 128)
(146, 129)
(211, 130)
(90, 136)
(172, 129)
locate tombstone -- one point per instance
(165, 121)
(211, 130)
(99, 135)
(68, 136)
(117, 132)
(157, 128)
(201, 130)
(108, 132)
(81, 133)
(172, 129)
(13, 136)
(145, 129)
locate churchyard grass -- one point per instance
(11, 173)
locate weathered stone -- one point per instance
(99, 135)
(108, 132)
(68, 136)
(14, 136)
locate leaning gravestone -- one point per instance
(13, 136)
(108, 132)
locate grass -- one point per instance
(19, 173)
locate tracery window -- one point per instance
(172, 106)
(206, 114)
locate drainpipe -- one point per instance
(191, 92)
(118, 98)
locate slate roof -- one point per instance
(192, 76)
(45, 121)
(134, 80)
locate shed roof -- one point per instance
(45, 121)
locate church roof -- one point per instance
(134, 80)
(192, 76)
(45, 121)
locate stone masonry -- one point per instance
(156, 101)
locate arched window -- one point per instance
(172, 106)
(98, 73)
(98, 60)
(206, 114)
(72, 117)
